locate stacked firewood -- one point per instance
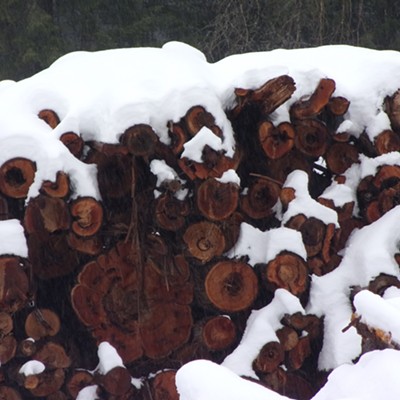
(145, 268)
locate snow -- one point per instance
(229, 176)
(260, 330)
(32, 367)
(88, 393)
(101, 94)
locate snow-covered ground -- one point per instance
(99, 95)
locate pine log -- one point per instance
(198, 117)
(50, 117)
(140, 140)
(41, 323)
(79, 380)
(288, 337)
(341, 156)
(116, 382)
(178, 138)
(392, 104)
(231, 286)
(164, 387)
(48, 214)
(311, 137)
(313, 233)
(231, 229)
(268, 97)
(16, 177)
(338, 105)
(73, 142)
(276, 141)
(107, 149)
(87, 214)
(288, 271)
(8, 348)
(8, 393)
(14, 285)
(60, 188)
(269, 358)
(218, 333)
(217, 200)
(314, 105)
(204, 240)
(386, 142)
(261, 196)
(170, 213)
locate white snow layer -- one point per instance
(32, 367)
(99, 95)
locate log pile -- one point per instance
(145, 268)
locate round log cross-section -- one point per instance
(270, 356)
(73, 142)
(16, 177)
(140, 140)
(50, 117)
(88, 216)
(231, 286)
(218, 333)
(276, 142)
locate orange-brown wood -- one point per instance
(116, 382)
(392, 104)
(87, 214)
(386, 176)
(387, 141)
(218, 333)
(340, 157)
(314, 105)
(140, 140)
(269, 358)
(50, 381)
(170, 212)
(311, 137)
(16, 177)
(288, 337)
(73, 142)
(79, 380)
(204, 240)
(231, 286)
(164, 387)
(217, 200)
(198, 117)
(276, 141)
(338, 105)
(8, 348)
(50, 117)
(27, 347)
(42, 323)
(53, 356)
(178, 138)
(296, 357)
(6, 323)
(60, 188)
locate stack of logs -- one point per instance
(145, 268)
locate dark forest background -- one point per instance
(34, 33)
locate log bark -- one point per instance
(276, 142)
(87, 214)
(8, 348)
(16, 177)
(178, 138)
(27, 347)
(204, 240)
(73, 142)
(6, 324)
(314, 105)
(50, 381)
(231, 286)
(79, 380)
(296, 357)
(140, 140)
(217, 200)
(8, 393)
(288, 271)
(270, 357)
(50, 117)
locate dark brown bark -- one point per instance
(171, 213)
(295, 357)
(178, 138)
(8, 348)
(164, 387)
(270, 357)
(311, 137)
(78, 381)
(8, 393)
(60, 188)
(16, 177)
(116, 382)
(231, 286)
(42, 323)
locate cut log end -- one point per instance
(140, 140)
(218, 333)
(88, 216)
(50, 117)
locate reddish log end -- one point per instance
(73, 142)
(50, 117)
(88, 216)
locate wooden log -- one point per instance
(53, 356)
(268, 97)
(178, 138)
(288, 271)
(261, 196)
(338, 105)
(386, 176)
(58, 395)
(198, 117)
(27, 347)
(50, 381)
(386, 142)
(343, 212)
(87, 214)
(314, 105)
(14, 285)
(218, 333)
(164, 387)
(8, 348)
(73, 142)
(296, 357)
(340, 157)
(6, 324)
(87, 245)
(79, 380)
(140, 140)
(269, 358)
(9, 393)
(231, 229)
(41, 323)
(50, 117)
(304, 322)
(217, 200)
(16, 177)
(288, 337)
(231, 286)
(276, 141)
(204, 240)
(170, 212)
(286, 195)
(382, 282)
(313, 232)
(4, 209)
(392, 105)
(312, 137)
(48, 214)
(60, 188)
(115, 382)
